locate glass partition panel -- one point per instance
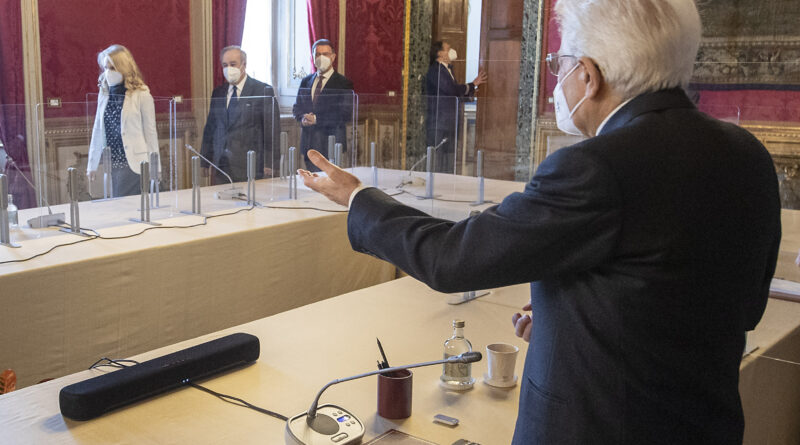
(211, 143)
(17, 163)
(326, 121)
(89, 161)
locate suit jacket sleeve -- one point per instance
(207, 148)
(301, 102)
(567, 220)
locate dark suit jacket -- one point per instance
(254, 126)
(444, 99)
(334, 108)
(649, 249)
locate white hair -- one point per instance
(232, 47)
(639, 45)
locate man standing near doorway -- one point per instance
(324, 104)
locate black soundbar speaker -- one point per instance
(96, 396)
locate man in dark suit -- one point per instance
(649, 246)
(324, 103)
(445, 99)
(243, 116)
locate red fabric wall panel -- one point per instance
(74, 31)
(374, 39)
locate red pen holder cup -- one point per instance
(394, 394)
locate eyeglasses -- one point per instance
(554, 62)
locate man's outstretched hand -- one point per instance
(337, 186)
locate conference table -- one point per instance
(304, 348)
(138, 290)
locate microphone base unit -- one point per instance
(40, 222)
(137, 220)
(233, 193)
(466, 297)
(332, 425)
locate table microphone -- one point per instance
(426, 154)
(38, 222)
(330, 423)
(232, 193)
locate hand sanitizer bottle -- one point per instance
(13, 219)
(457, 376)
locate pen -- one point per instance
(385, 363)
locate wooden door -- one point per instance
(450, 25)
(498, 99)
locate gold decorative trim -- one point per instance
(406, 74)
(342, 35)
(32, 73)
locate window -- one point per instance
(276, 41)
(257, 40)
(294, 52)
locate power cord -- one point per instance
(96, 235)
(124, 363)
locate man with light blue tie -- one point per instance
(243, 116)
(324, 103)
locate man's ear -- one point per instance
(591, 77)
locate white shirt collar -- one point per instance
(613, 112)
(239, 86)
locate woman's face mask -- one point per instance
(113, 77)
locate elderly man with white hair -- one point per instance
(649, 246)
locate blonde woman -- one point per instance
(125, 120)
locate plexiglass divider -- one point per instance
(19, 199)
(106, 152)
(211, 139)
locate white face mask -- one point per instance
(231, 74)
(452, 55)
(563, 114)
(113, 78)
(323, 63)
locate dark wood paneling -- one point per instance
(498, 99)
(450, 25)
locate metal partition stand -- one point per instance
(196, 209)
(479, 174)
(292, 173)
(74, 210)
(155, 186)
(374, 164)
(144, 202)
(251, 178)
(337, 154)
(284, 154)
(108, 188)
(429, 165)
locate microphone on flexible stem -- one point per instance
(232, 193)
(317, 425)
(426, 155)
(41, 221)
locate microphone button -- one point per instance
(339, 437)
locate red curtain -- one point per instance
(228, 26)
(323, 23)
(12, 103)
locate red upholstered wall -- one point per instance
(754, 105)
(374, 45)
(74, 31)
